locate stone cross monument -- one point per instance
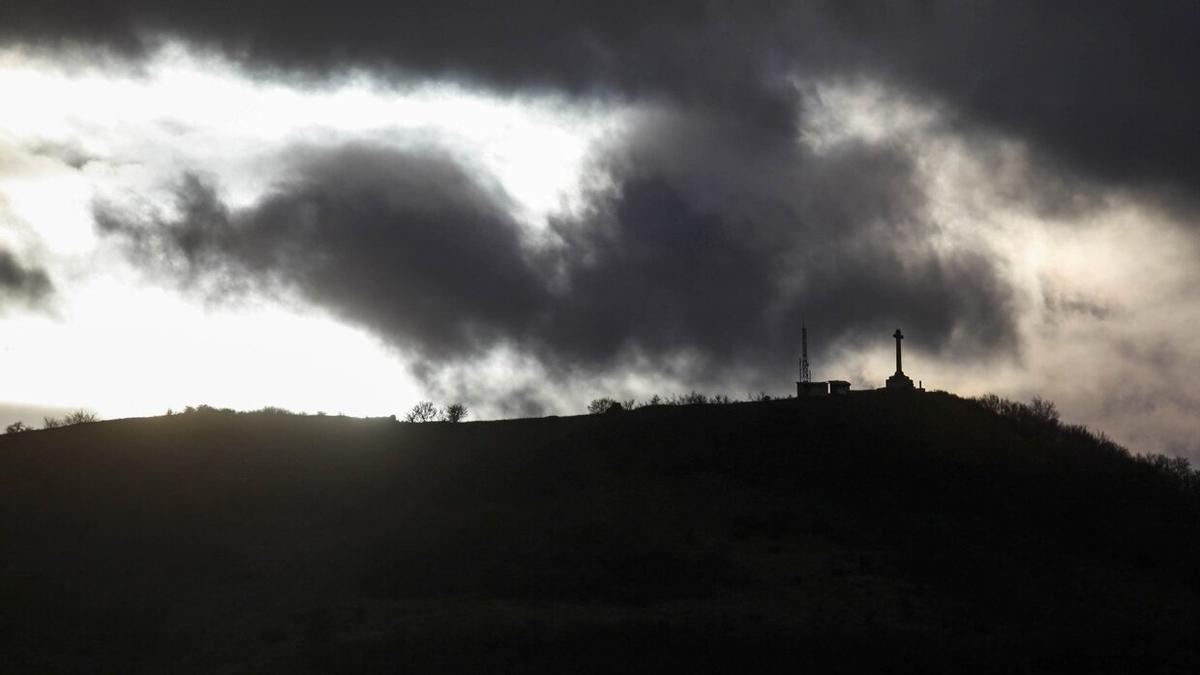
(899, 380)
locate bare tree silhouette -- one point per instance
(424, 411)
(455, 412)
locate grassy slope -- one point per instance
(896, 533)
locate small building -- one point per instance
(839, 387)
(811, 389)
(804, 386)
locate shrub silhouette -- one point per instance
(1039, 418)
(1043, 410)
(77, 417)
(16, 428)
(603, 405)
(1037, 413)
(1177, 469)
(424, 411)
(273, 410)
(80, 417)
(455, 412)
(205, 409)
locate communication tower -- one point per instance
(805, 374)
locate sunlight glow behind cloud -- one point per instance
(119, 344)
(184, 108)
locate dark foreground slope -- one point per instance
(871, 532)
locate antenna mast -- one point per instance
(805, 375)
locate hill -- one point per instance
(882, 532)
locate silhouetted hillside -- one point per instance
(871, 532)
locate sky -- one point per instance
(349, 207)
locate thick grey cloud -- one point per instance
(22, 284)
(1105, 86)
(701, 244)
(407, 244)
(712, 53)
(716, 240)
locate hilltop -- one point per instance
(882, 531)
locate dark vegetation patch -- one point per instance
(919, 533)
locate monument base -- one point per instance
(899, 381)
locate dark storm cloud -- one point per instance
(718, 225)
(712, 242)
(712, 53)
(682, 253)
(409, 245)
(1105, 86)
(20, 283)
